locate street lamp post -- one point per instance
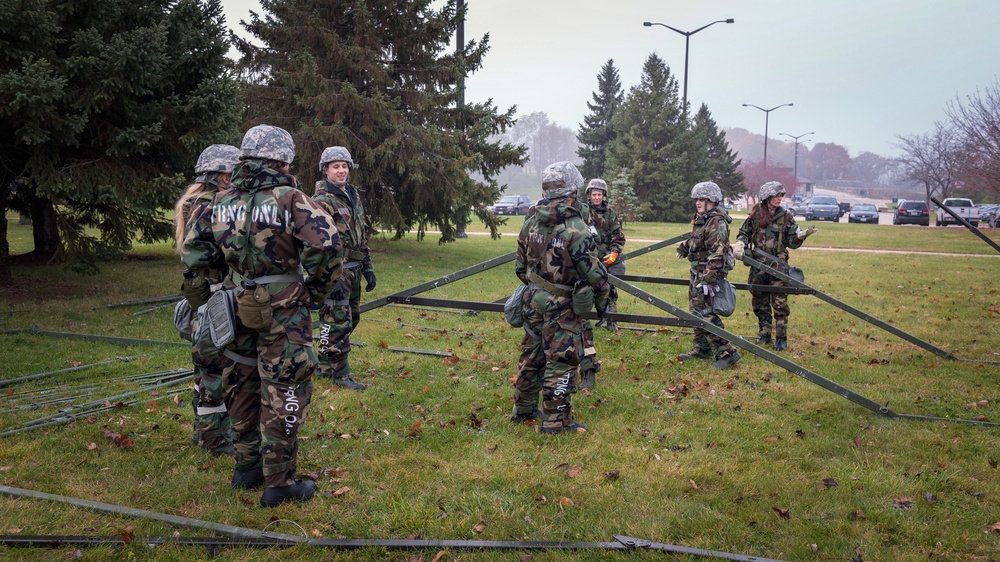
(687, 43)
(767, 115)
(795, 170)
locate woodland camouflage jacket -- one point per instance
(775, 238)
(265, 226)
(556, 243)
(344, 205)
(610, 237)
(709, 242)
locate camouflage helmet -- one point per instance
(561, 179)
(214, 160)
(707, 190)
(769, 190)
(335, 154)
(597, 184)
(268, 142)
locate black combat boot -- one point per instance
(764, 338)
(248, 479)
(348, 381)
(726, 361)
(517, 418)
(781, 344)
(588, 379)
(574, 427)
(695, 354)
(300, 491)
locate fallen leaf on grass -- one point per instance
(415, 429)
(931, 498)
(409, 335)
(92, 446)
(813, 547)
(479, 528)
(565, 502)
(120, 441)
(826, 484)
(574, 471)
(611, 476)
(525, 558)
(542, 500)
(74, 555)
(439, 556)
(995, 527)
(902, 502)
(783, 513)
(451, 359)
(693, 485)
(341, 491)
(857, 442)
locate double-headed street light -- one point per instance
(795, 170)
(767, 115)
(687, 42)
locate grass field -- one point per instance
(752, 460)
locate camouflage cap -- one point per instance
(597, 184)
(561, 179)
(336, 154)
(707, 190)
(769, 190)
(269, 143)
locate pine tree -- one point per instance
(377, 76)
(650, 130)
(104, 107)
(714, 160)
(622, 198)
(596, 134)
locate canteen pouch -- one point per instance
(221, 309)
(182, 320)
(202, 336)
(583, 298)
(513, 309)
(253, 303)
(724, 302)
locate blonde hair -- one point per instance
(193, 191)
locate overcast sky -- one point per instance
(859, 72)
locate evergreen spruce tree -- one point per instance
(104, 108)
(379, 77)
(622, 198)
(596, 133)
(650, 129)
(713, 159)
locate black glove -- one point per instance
(196, 290)
(370, 278)
(602, 314)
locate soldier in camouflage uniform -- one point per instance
(341, 312)
(706, 250)
(211, 419)
(771, 228)
(556, 255)
(268, 231)
(610, 239)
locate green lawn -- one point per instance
(751, 460)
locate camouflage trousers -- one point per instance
(338, 319)
(764, 302)
(588, 361)
(618, 269)
(268, 393)
(550, 355)
(211, 418)
(700, 305)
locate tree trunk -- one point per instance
(5, 274)
(44, 229)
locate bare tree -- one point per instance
(978, 121)
(934, 160)
(870, 169)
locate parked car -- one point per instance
(962, 207)
(823, 207)
(512, 205)
(799, 208)
(863, 212)
(912, 212)
(988, 215)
